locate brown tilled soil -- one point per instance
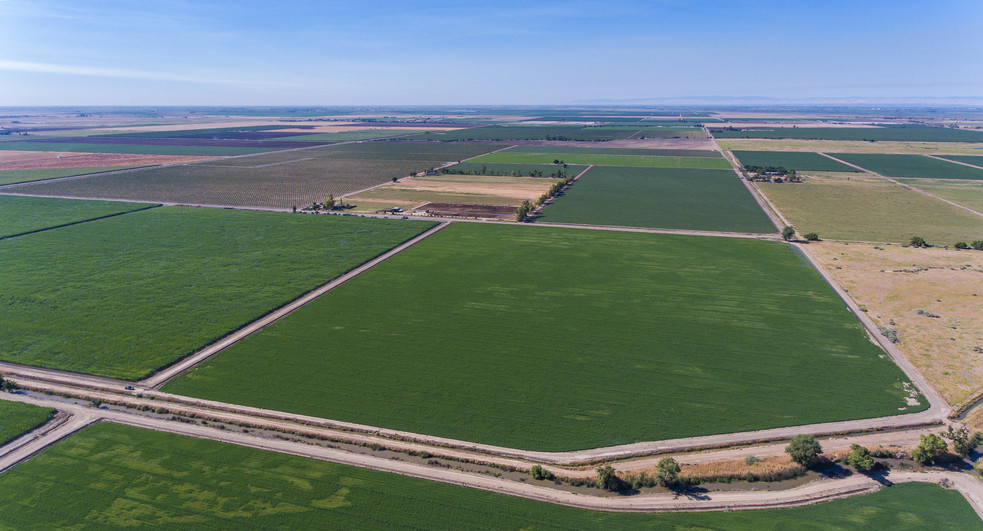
(42, 160)
(894, 282)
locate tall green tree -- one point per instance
(804, 449)
(667, 472)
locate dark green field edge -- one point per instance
(911, 166)
(433, 225)
(17, 418)
(660, 198)
(110, 476)
(84, 357)
(69, 224)
(24, 214)
(617, 151)
(792, 160)
(68, 172)
(975, 160)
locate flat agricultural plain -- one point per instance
(965, 192)
(599, 338)
(975, 160)
(910, 166)
(112, 476)
(792, 160)
(127, 295)
(17, 418)
(872, 209)
(67, 146)
(546, 157)
(668, 198)
(20, 215)
(498, 133)
(274, 180)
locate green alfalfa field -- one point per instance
(126, 295)
(17, 418)
(23, 214)
(560, 339)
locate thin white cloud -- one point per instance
(92, 71)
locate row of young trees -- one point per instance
(527, 208)
(560, 173)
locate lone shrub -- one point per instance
(961, 245)
(804, 449)
(917, 241)
(978, 245)
(538, 472)
(750, 460)
(811, 236)
(608, 479)
(788, 232)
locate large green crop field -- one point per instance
(792, 160)
(512, 170)
(275, 180)
(599, 338)
(17, 418)
(129, 148)
(126, 295)
(870, 209)
(616, 151)
(893, 133)
(917, 166)
(713, 200)
(20, 214)
(23, 176)
(546, 157)
(112, 476)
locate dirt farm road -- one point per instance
(813, 492)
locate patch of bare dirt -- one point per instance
(934, 299)
(42, 160)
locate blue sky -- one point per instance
(183, 52)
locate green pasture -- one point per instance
(510, 157)
(792, 160)
(126, 295)
(893, 133)
(668, 198)
(21, 176)
(915, 166)
(870, 209)
(17, 418)
(130, 148)
(577, 150)
(599, 338)
(21, 214)
(964, 192)
(113, 476)
(272, 180)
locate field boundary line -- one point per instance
(908, 186)
(159, 378)
(76, 222)
(732, 159)
(936, 157)
(31, 443)
(532, 215)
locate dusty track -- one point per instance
(814, 492)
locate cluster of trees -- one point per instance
(523, 211)
(977, 244)
(771, 174)
(666, 475)
(560, 173)
(527, 208)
